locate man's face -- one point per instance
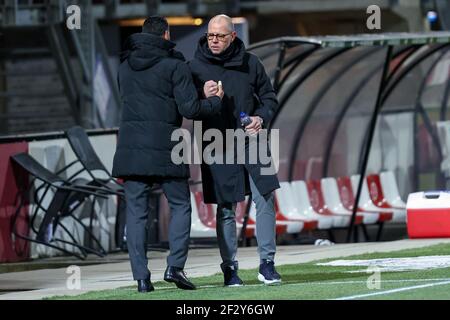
(222, 39)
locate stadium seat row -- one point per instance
(310, 205)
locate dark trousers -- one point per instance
(137, 197)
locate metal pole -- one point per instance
(348, 103)
(295, 62)
(407, 69)
(395, 81)
(301, 78)
(276, 78)
(366, 147)
(444, 104)
(315, 102)
(419, 110)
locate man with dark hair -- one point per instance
(155, 25)
(157, 91)
(221, 55)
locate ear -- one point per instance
(166, 35)
(233, 36)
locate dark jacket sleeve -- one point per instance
(186, 96)
(268, 103)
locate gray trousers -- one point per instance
(265, 228)
(137, 199)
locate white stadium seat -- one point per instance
(390, 189)
(333, 200)
(198, 228)
(300, 205)
(366, 203)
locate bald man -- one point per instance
(221, 56)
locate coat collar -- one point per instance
(233, 56)
(143, 50)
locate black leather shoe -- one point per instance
(177, 276)
(145, 285)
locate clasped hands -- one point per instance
(212, 88)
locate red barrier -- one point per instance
(11, 180)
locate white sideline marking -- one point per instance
(395, 264)
(393, 291)
(365, 281)
(286, 283)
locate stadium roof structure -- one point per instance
(360, 104)
(382, 39)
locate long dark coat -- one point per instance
(247, 89)
(157, 91)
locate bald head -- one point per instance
(222, 20)
(221, 33)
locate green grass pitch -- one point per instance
(307, 281)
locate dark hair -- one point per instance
(155, 25)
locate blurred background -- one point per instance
(47, 72)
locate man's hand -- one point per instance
(254, 127)
(210, 88)
(219, 92)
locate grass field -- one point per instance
(308, 281)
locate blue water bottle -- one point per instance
(245, 119)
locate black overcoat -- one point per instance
(247, 89)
